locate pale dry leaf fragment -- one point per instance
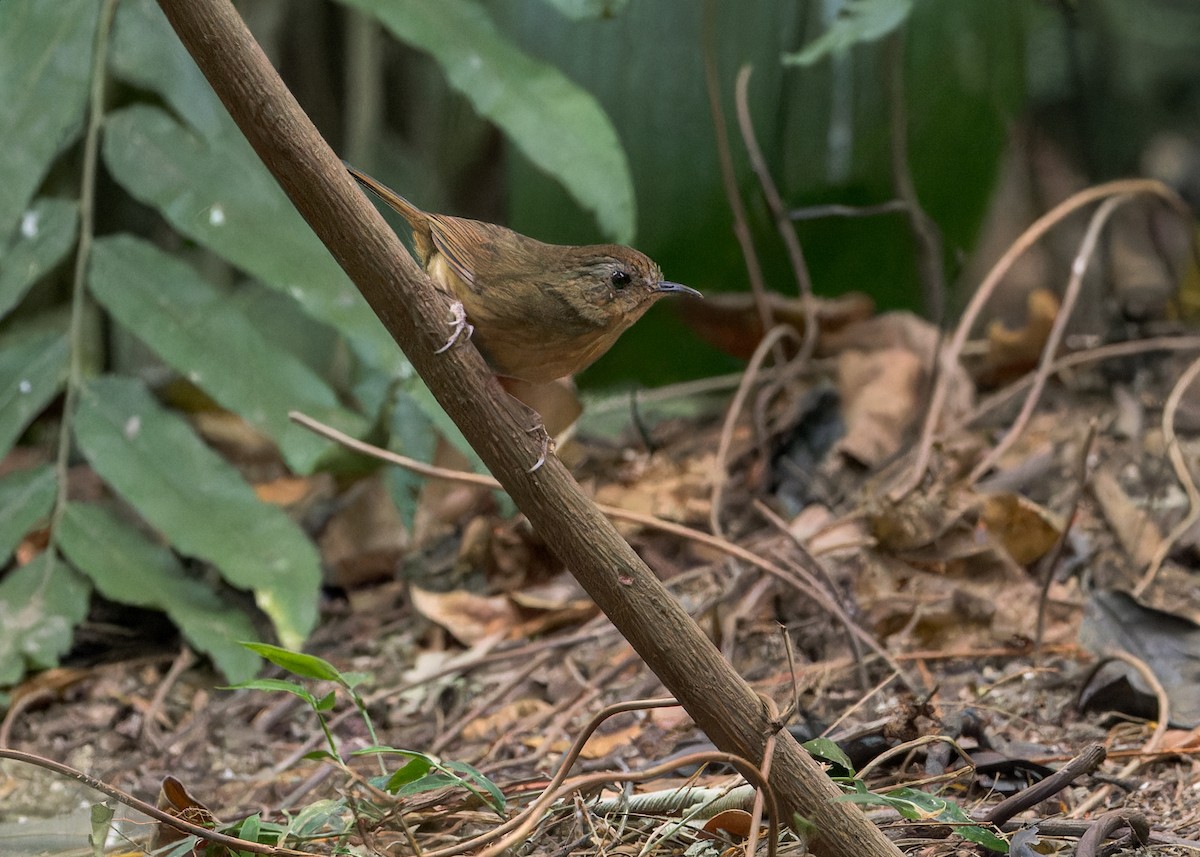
(897, 332)
(879, 392)
(1138, 535)
(469, 617)
(1012, 352)
(492, 726)
(1023, 528)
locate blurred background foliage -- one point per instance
(189, 307)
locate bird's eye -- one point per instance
(620, 279)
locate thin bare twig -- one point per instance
(741, 225)
(1087, 248)
(1079, 358)
(1182, 472)
(951, 353)
(749, 378)
(1152, 743)
(149, 809)
(813, 589)
(820, 212)
(787, 231)
(1085, 763)
(1050, 563)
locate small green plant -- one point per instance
(912, 804)
(419, 773)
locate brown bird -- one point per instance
(539, 311)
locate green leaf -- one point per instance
(557, 125)
(412, 435)
(827, 749)
(196, 499)
(101, 823)
(45, 70)
(857, 21)
(916, 805)
(582, 10)
(410, 773)
(204, 337)
(127, 568)
(297, 663)
(46, 233)
(146, 53)
(250, 827)
(472, 775)
(276, 685)
(322, 816)
(31, 374)
(217, 192)
(41, 602)
(26, 497)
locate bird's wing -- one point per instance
(483, 254)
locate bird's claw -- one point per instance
(458, 320)
(547, 446)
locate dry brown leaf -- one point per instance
(1020, 526)
(731, 321)
(365, 538)
(285, 491)
(906, 332)
(603, 746)
(174, 799)
(670, 488)
(919, 520)
(466, 615)
(492, 726)
(551, 605)
(1012, 353)
(736, 823)
(879, 391)
(1139, 536)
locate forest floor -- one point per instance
(995, 596)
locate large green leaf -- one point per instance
(26, 497)
(31, 374)
(216, 191)
(41, 603)
(857, 21)
(206, 338)
(146, 53)
(45, 68)
(556, 124)
(153, 459)
(46, 233)
(581, 10)
(128, 568)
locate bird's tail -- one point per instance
(415, 217)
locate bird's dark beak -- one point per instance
(677, 289)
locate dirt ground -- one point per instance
(993, 599)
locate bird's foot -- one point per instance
(547, 445)
(460, 325)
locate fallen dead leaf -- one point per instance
(494, 725)
(736, 823)
(365, 538)
(879, 391)
(1138, 534)
(1022, 527)
(469, 617)
(732, 323)
(1013, 352)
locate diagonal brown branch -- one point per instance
(720, 701)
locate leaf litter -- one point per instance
(482, 653)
